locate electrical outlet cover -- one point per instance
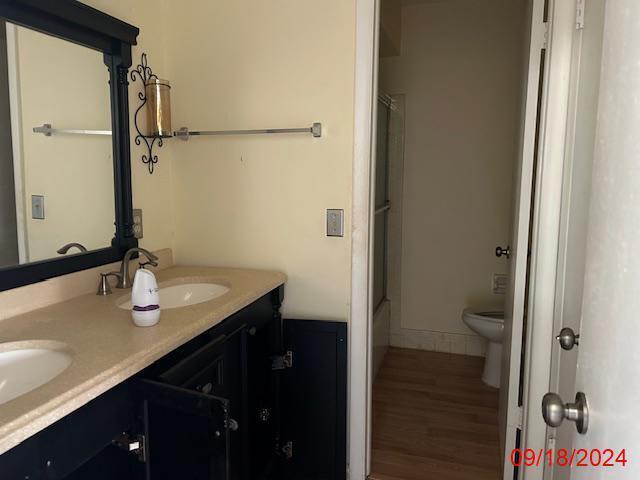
(500, 283)
(137, 223)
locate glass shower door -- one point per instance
(380, 249)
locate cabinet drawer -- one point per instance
(190, 369)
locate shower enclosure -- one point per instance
(387, 220)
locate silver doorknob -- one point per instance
(503, 251)
(554, 411)
(567, 338)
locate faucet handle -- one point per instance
(103, 287)
(153, 263)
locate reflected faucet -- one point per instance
(124, 280)
(65, 248)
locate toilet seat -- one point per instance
(495, 316)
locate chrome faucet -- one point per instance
(124, 279)
(65, 248)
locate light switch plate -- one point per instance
(335, 222)
(37, 207)
(137, 223)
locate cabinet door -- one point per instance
(314, 400)
(23, 462)
(186, 433)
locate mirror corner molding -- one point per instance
(86, 26)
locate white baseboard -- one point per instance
(439, 342)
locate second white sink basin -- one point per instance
(186, 294)
(25, 366)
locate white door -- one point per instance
(510, 410)
(609, 352)
(583, 107)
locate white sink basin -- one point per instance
(25, 366)
(183, 295)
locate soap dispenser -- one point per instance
(145, 299)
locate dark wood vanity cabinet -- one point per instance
(233, 403)
(209, 404)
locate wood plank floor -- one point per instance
(433, 418)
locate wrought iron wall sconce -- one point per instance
(155, 95)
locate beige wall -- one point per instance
(74, 173)
(260, 201)
(459, 72)
(253, 201)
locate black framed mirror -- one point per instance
(65, 182)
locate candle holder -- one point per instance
(155, 96)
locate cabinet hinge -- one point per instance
(520, 417)
(580, 5)
(545, 42)
(287, 450)
(280, 362)
(551, 443)
(264, 415)
(134, 444)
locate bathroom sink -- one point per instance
(183, 295)
(25, 366)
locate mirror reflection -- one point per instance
(56, 183)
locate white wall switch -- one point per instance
(500, 283)
(335, 222)
(37, 207)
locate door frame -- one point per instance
(577, 178)
(361, 310)
(547, 208)
(545, 224)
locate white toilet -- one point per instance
(489, 325)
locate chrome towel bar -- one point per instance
(48, 130)
(184, 133)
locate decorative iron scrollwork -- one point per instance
(145, 74)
